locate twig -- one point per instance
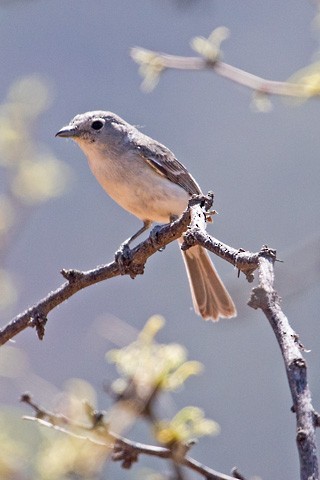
(123, 450)
(236, 474)
(164, 61)
(36, 316)
(266, 298)
(196, 233)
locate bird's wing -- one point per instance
(163, 161)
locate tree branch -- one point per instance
(123, 450)
(160, 62)
(128, 451)
(266, 298)
(244, 261)
(193, 223)
(36, 316)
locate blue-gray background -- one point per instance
(263, 168)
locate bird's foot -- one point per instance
(154, 237)
(124, 257)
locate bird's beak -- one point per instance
(67, 132)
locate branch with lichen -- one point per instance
(303, 84)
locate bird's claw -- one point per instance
(154, 237)
(123, 257)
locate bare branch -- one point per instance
(36, 316)
(243, 260)
(266, 298)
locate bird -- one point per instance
(145, 178)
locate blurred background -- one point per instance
(62, 58)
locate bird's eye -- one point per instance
(97, 125)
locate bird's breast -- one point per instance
(135, 186)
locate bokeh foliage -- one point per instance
(74, 439)
(30, 173)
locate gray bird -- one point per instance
(146, 179)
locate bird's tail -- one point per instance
(210, 297)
